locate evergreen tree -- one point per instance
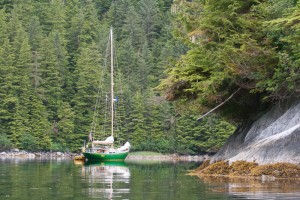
(128, 63)
(149, 12)
(22, 84)
(89, 76)
(51, 57)
(40, 127)
(35, 33)
(139, 137)
(132, 28)
(52, 79)
(66, 137)
(117, 14)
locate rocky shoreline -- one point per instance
(48, 155)
(171, 157)
(25, 154)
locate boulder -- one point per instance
(273, 137)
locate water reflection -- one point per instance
(62, 179)
(239, 188)
(106, 179)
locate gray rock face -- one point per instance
(274, 137)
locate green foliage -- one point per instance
(65, 135)
(252, 45)
(28, 142)
(52, 68)
(57, 147)
(5, 143)
(206, 136)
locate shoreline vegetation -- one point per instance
(140, 155)
(251, 170)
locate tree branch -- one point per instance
(200, 118)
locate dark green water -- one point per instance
(63, 179)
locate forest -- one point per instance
(175, 61)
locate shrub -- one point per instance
(28, 142)
(5, 143)
(57, 147)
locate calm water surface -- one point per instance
(63, 179)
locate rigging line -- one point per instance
(93, 127)
(119, 116)
(118, 70)
(121, 103)
(119, 84)
(107, 52)
(97, 104)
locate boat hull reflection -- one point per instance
(106, 179)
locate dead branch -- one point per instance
(199, 119)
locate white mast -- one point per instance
(112, 81)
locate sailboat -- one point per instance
(104, 150)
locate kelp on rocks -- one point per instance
(248, 169)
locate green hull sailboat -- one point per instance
(105, 150)
(105, 157)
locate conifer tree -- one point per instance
(52, 80)
(89, 73)
(149, 12)
(132, 28)
(39, 125)
(66, 137)
(35, 33)
(137, 123)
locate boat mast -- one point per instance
(112, 81)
